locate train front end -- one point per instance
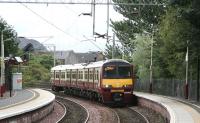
(117, 82)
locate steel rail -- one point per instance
(118, 119)
(147, 121)
(88, 115)
(64, 112)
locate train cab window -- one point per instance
(109, 72)
(124, 71)
(117, 72)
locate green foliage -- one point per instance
(9, 37)
(141, 56)
(45, 60)
(175, 34)
(116, 50)
(173, 27)
(38, 68)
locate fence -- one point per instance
(169, 87)
(37, 84)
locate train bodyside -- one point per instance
(98, 80)
(78, 79)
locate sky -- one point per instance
(60, 25)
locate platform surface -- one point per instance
(19, 96)
(24, 101)
(179, 112)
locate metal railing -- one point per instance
(168, 87)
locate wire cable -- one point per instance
(45, 20)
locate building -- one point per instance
(70, 57)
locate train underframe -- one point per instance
(102, 95)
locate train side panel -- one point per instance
(93, 83)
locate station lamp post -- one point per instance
(2, 81)
(2, 64)
(151, 64)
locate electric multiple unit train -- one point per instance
(109, 81)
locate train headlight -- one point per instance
(108, 86)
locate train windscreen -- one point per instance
(112, 72)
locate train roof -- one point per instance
(87, 65)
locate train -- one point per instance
(109, 81)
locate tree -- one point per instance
(116, 50)
(177, 30)
(141, 56)
(38, 68)
(10, 46)
(139, 18)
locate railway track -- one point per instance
(96, 112)
(127, 115)
(76, 113)
(99, 113)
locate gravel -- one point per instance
(75, 113)
(127, 115)
(152, 116)
(99, 113)
(55, 115)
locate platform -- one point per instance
(24, 101)
(179, 112)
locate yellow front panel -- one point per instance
(117, 83)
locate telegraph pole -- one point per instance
(108, 19)
(198, 78)
(54, 55)
(113, 47)
(151, 65)
(93, 14)
(186, 75)
(2, 64)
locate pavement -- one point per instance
(19, 96)
(179, 111)
(24, 101)
(7, 94)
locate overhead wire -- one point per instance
(45, 20)
(52, 24)
(66, 7)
